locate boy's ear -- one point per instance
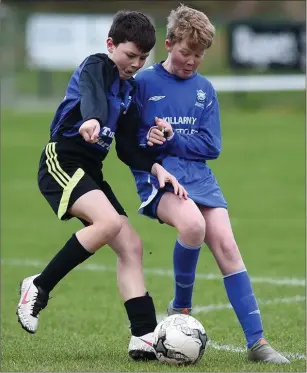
(110, 45)
(168, 45)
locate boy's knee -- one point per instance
(136, 247)
(107, 230)
(131, 249)
(192, 231)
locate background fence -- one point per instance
(41, 42)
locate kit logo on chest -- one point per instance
(200, 98)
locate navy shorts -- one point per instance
(63, 179)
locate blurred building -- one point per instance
(32, 59)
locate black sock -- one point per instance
(72, 254)
(142, 315)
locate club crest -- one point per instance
(201, 95)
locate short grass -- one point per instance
(262, 174)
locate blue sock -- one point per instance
(185, 260)
(243, 301)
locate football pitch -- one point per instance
(84, 328)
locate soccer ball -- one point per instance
(179, 339)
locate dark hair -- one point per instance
(134, 27)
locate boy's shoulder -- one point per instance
(97, 58)
(147, 73)
(204, 81)
(99, 66)
(204, 87)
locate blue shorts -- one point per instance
(197, 179)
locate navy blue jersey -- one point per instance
(95, 91)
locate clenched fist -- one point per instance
(89, 130)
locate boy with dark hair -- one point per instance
(71, 179)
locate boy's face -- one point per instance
(184, 60)
(127, 57)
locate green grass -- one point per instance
(262, 174)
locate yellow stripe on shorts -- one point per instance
(68, 190)
(54, 167)
(67, 183)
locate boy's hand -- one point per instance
(164, 126)
(164, 176)
(89, 130)
(156, 134)
(155, 137)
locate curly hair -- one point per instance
(189, 24)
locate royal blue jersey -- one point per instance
(189, 105)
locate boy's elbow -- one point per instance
(216, 147)
(215, 152)
(121, 153)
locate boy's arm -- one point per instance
(94, 103)
(129, 152)
(203, 145)
(127, 147)
(144, 129)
